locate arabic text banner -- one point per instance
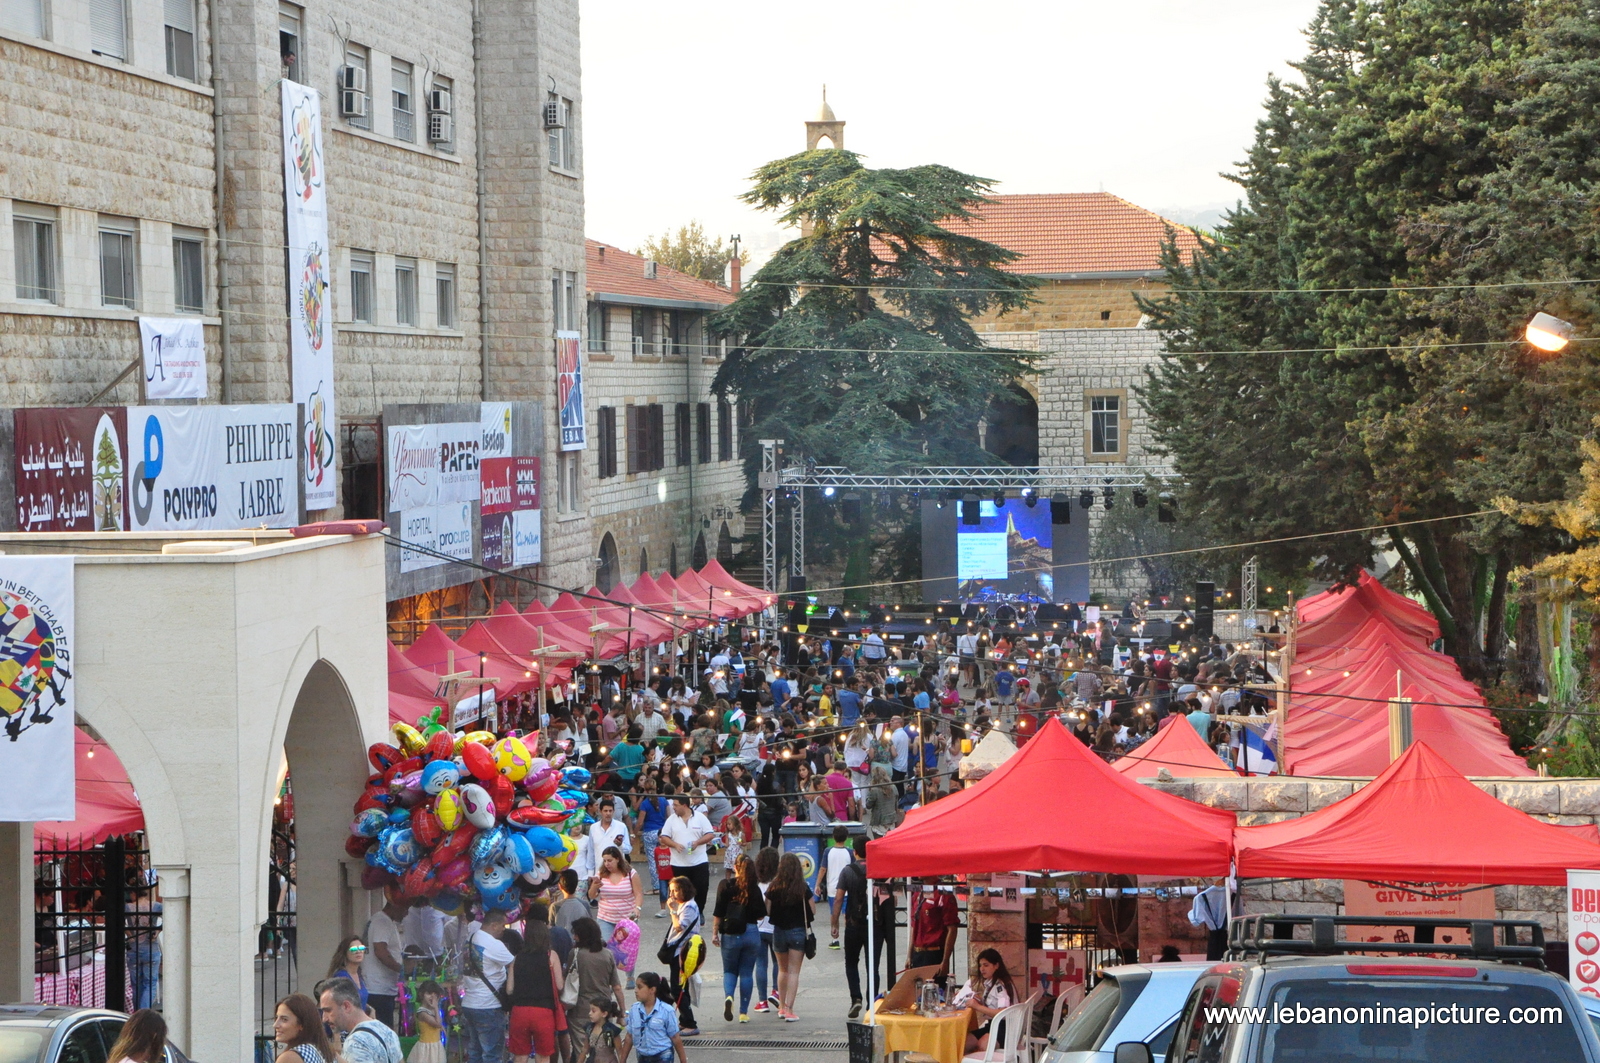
(69, 468)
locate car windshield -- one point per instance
(1346, 1020)
(1084, 1031)
(19, 1045)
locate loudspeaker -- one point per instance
(797, 584)
(1205, 605)
(969, 511)
(1060, 509)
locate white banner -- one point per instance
(200, 468)
(458, 461)
(526, 545)
(453, 522)
(429, 531)
(1583, 931)
(310, 280)
(413, 464)
(36, 702)
(495, 419)
(174, 357)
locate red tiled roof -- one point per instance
(1073, 232)
(613, 271)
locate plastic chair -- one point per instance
(1013, 1023)
(1066, 1001)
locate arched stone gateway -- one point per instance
(203, 671)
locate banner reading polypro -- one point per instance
(569, 390)
(202, 468)
(36, 702)
(310, 279)
(1583, 931)
(69, 468)
(174, 357)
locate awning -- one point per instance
(1421, 820)
(569, 637)
(714, 574)
(436, 652)
(106, 803)
(582, 615)
(1177, 748)
(411, 689)
(701, 596)
(640, 627)
(1055, 806)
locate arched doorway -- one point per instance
(644, 561)
(1011, 427)
(724, 546)
(608, 567)
(697, 558)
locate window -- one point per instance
(567, 468)
(355, 91)
(188, 275)
(361, 286)
(118, 271)
(83, 1044)
(607, 428)
(34, 231)
(564, 299)
(563, 138)
(180, 38)
(724, 431)
(405, 291)
(597, 327)
(646, 438)
(638, 332)
(22, 16)
(658, 436)
(1105, 425)
(108, 28)
(681, 434)
(443, 92)
(445, 294)
(702, 431)
(289, 19)
(401, 99)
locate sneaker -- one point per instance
(693, 1031)
(727, 1010)
(833, 944)
(743, 1017)
(761, 1006)
(789, 1016)
(772, 998)
(662, 914)
(855, 1010)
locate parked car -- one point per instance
(48, 1033)
(1136, 1002)
(1479, 986)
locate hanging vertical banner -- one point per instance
(36, 705)
(495, 420)
(69, 468)
(569, 390)
(1583, 931)
(310, 297)
(174, 357)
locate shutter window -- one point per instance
(108, 28)
(22, 16)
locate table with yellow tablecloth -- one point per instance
(943, 1037)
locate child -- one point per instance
(624, 945)
(604, 1029)
(429, 1047)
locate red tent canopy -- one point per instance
(714, 574)
(106, 803)
(661, 594)
(680, 601)
(504, 664)
(1177, 748)
(571, 637)
(647, 627)
(584, 614)
(1419, 821)
(1013, 821)
(411, 689)
(699, 595)
(512, 630)
(432, 652)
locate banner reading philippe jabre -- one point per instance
(36, 704)
(310, 296)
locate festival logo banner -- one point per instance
(174, 357)
(310, 276)
(69, 469)
(199, 468)
(569, 390)
(36, 702)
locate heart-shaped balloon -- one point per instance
(502, 793)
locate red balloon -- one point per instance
(375, 878)
(479, 762)
(442, 746)
(455, 844)
(501, 792)
(370, 800)
(535, 817)
(419, 879)
(545, 787)
(425, 827)
(383, 755)
(357, 846)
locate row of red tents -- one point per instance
(1420, 820)
(1349, 646)
(506, 645)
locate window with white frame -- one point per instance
(33, 232)
(443, 92)
(290, 18)
(188, 273)
(361, 286)
(405, 291)
(179, 20)
(563, 137)
(568, 465)
(402, 101)
(356, 85)
(22, 16)
(1105, 425)
(119, 271)
(108, 28)
(444, 288)
(597, 326)
(564, 299)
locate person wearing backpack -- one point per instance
(850, 896)
(739, 908)
(364, 1040)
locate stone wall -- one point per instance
(1076, 304)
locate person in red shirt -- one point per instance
(934, 920)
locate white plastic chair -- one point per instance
(1066, 1001)
(1013, 1022)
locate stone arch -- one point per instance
(147, 770)
(1011, 427)
(609, 567)
(697, 558)
(724, 546)
(644, 561)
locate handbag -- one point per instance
(569, 984)
(811, 938)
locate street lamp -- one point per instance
(1548, 332)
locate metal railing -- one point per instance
(96, 926)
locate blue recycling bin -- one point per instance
(809, 841)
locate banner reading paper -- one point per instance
(458, 445)
(174, 357)
(310, 277)
(1583, 931)
(569, 390)
(202, 468)
(37, 737)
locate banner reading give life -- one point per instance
(310, 292)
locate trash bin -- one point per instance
(810, 841)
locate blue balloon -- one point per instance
(486, 846)
(576, 777)
(440, 775)
(545, 842)
(400, 817)
(517, 854)
(492, 878)
(369, 823)
(574, 795)
(397, 850)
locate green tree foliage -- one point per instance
(1434, 144)
(690, 251)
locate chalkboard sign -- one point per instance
(864, 1042)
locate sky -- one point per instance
(1147, 99)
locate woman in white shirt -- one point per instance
(988, 993)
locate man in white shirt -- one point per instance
(423, 932)
(483, 1021)
(900, 744)
(381, 969)
(686, 833)
(967, 645)
(605, 832)
(650, 722)
(872, 648)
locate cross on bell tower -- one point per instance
(825, 126)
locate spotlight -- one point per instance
(1030, 497)
(1086, 498)
(1140, 499)
(938, 503)
(827, 492)
(1166, 510)
(999, 500)
(1111, 497)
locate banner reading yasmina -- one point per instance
(36, 702)
(310, 294)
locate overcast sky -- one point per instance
(1148, 99)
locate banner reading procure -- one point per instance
(310, 280)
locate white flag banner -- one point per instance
(310, 294)
(37, 739)
(495, 419)
(174, 357)
(199, 468)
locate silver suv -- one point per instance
(1466, 991)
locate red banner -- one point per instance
(70, 469)
(509, 484)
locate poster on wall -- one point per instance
(413, 464)
(1440, 900)
(310, 295)
(458, 445)
(495, 421)
(207, 468)
(569, 390)
(510, 512)
(174, 350)
(36, 702)
(69, 468)
(1583, 931)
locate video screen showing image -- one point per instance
(1008, 552)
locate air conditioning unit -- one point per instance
(439, 101)
(353, 92)
(441, 128)
(552, 115)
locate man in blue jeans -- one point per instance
(482, 1020)
(652, 1025)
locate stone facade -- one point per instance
(1080, 303)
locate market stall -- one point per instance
(1176, 749)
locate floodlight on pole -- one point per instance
(1548, 332)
